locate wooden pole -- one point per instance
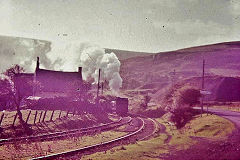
(98, 85)
(102, 87)
(28, 116)
(203, 74)
(45, 113)
(174, 75)
(40, 117)
(60, 114)
(74, 110)
(52, 115)
(67, 113)
(14, 119)
(35, 117)
(1, 119)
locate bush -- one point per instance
(190, 96)
(179, 103)
(181, 116)
(145, 101)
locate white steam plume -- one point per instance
(65, 57)
(90, 57)
(22, 51)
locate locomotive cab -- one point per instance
(121, 106)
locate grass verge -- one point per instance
(35, 149)
(172, 139)
(235, 108)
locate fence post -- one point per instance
(14, 119)
(52, 115)
(1, 119)
(35, 117)
(28, 116)
(44, 115)
(40, 117)
(60, 114)
(74, 111)
(67, 113)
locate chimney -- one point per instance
(80, 72)
(37, 66)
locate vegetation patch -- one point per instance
(230, 107)
(207, 126)
(143, 150)
(210, 126)
(179, 102)
(57, 124)
(172, 139)
(35, 149)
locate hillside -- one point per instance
(122, 55)
(155, 73)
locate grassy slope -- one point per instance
(30, 150)
(121, 54)
(212, 127)
(65, 123)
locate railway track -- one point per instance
(64, 134)
(154, 125)
(146, 129)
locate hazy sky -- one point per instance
(150, 25)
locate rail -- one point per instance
(54, 156)
(61, 134)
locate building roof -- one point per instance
(58, 81)
(58, 74)
(24, 74)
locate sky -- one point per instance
(137, 25)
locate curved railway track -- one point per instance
(146, 129)
(64, 134)
(154, 125)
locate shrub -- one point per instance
(145, 101)
(179, 102)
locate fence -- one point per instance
(32, 117)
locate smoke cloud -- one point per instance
(23, 52)
(62, 56)
(6, 85)
(68, 57)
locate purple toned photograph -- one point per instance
(120, 79)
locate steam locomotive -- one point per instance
(121, 106)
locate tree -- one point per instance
(190, 96)
(179, 103)
(11, 72)
(145, 101)
(6, 89)
(13, 94)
